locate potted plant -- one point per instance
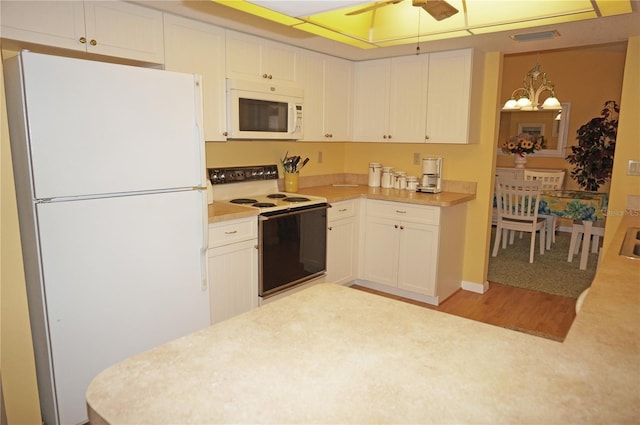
(593, 156)
(521, 145)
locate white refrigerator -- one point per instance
(110, 170)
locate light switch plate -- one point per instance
(633, 168)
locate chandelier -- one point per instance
(534, 84)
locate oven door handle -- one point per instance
(279, 214)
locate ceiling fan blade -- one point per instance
(439, 9)
(373, 7)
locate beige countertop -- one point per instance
(335, 193)
(331, 354)
(221, 211)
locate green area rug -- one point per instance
(549, 273)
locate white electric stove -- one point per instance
(256, 187)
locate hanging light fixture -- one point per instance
(526, 98)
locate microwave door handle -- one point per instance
(293, 117)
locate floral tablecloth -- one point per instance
(573, 204)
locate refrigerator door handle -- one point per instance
(205, 240)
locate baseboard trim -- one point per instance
(479, 288)
(396, 291)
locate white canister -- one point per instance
(400, 181)
(375, 173)
(412, 183)
(387, 177)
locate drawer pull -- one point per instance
(342, 210)
(401, 212)
(231, 233)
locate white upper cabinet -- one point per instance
(327, 96)
(371, 100)
(195, 47)
(107, 28)
(252, 58)
(390, 100)
(449, 97)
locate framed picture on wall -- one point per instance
(536, 129)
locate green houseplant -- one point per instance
(593, 156)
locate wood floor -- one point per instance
(533, 312)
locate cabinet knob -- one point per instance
(426, 137)
(264, 75)
(330, 227)
(395, 225)
(93, 42)
(389, 136)
(384, 136)
(225, 133)
(83, 40)
(270, 77)
(401, 227)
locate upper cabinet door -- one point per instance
(408, 98)
(198, 48)
(254, 58)
(327, 96)
(371, 102)
(124, 30)
(338, 99)
(449, 96)
(53, 23)
(107, 28)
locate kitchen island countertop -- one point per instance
(331, 354)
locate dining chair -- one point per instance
(551, 180)
(517, 207)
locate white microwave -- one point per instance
(259, 110)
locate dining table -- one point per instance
(588, 207)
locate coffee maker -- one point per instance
(431, 175)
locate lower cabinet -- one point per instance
(342, 241)
(233, 268)
(413, 250)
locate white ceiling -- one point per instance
(601, 31)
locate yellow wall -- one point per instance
(585, 77)
(16, 350)
(234, 153)
(627, 143)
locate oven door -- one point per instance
(292, 247)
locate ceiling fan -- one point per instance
(439, 9)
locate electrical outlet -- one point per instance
(633, 168)
(320, 157)
(416, 158)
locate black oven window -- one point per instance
(293, 248)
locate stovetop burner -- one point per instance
(243, 201)
(257, 187)
(296, 199)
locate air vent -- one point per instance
(534, 36)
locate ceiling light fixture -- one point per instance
(535, 36)
(530, 93)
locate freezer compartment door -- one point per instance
(121, 275)
(97, 128)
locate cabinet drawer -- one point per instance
(402, 211)
(227, 232)
(342, 209)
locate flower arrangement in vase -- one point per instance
(522, 145)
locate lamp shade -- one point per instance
(551, 103)
(511, 104)
(524, 102)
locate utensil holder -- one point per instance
(291, 182)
